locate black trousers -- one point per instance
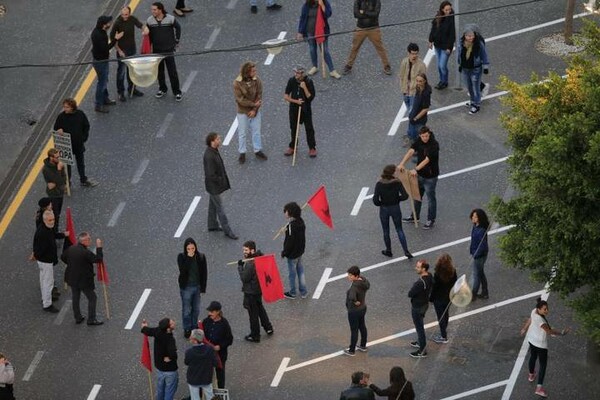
(221, 375)
(57, 203)
(306, 119)
(172, 70)
(180, 4)
(80, 161)
(256, 313)
(91, 298)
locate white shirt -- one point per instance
(535, 334)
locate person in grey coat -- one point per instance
(216, 182)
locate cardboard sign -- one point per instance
(411, 184)
(62, 143)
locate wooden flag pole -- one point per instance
(106, 299)
(297, 134)
(412, 202)
(323, 61)
(244, 260)
(150, 384)
(283, 228)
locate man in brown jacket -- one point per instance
(410, 67)
(247, 89)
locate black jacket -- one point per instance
(247, 271)
(52, 174)
(357, 292)
(443, 36)
(44, 244)
(77, 124)
(370, 16)
(164, 346)
(294, 90)
(295, 241)
(201, 360)
(164, 34)
(420, 291)
(431, 149)
(389, 192)
(185, 263)
(80, 266)
(215, 176)
(441, 290)
(100, 45)
(393, 391)
(218, 333)
(356, 392)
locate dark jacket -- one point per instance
(215, 176)
(393, 390)
(164, 34)
(302, 25)
(44, 244)
(294, 90)
(52, 174)
(247, 271)
(420, 291)
(128, 29)
(164, 346)
(443, 35)
(185, 263)
(77, 124)
(356, 392)
(431, 149)
(389, 192)
(421, 101)
(80, 266)
(295, 241)
(218, 333)
(440, 293)
(370, 16)
(201, 360)
(478, 57)
(100, 45)
(357, 292)
(479, 242)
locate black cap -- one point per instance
(214, 306)
(103, 19)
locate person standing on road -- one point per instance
(181, 9)
(247, 89)
(165, 32)
(410, 67)
(300, 92)
(389, 192)
(79, 275)
(54, 176)
(417, 115)
(218, 333)
(101, 53)
(74, 122)
(216, 182)
(538, 328)
(293, 249)
(7, 379)
(201, 360)
(426, 171)
(400, 388)
(472, 61)
(358, 390)
(45, 253)
(126, 47)
(366, 13)
(165, 357)
(271, 6)
(357, 309)
(253, 293)
(419, 300)
(442, 37)
(44, 204)
(479, 251)
(444, 279)
(192, 282)
(306, 31)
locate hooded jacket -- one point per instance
(52, 174)
(389, 192)
(247, 271)
(357, 292)
(431, 150)
(295, 240)
(185, 263)
(443, 35)
(164, 346)
(479, 56)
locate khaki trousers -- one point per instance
(374, 36)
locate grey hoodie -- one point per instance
(357, 292)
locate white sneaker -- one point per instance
(313, 71)
(335, 74)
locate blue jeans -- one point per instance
(101, 69)
(295, 267)
(244, 122)
(472, 80)
(413, 130)
(269, 2)
(315, 56)
(443, 314)
(356, 319)
(427, 187)
(166, 384)
(418, 314)
(442, 62)
(479, 276)
(195, 391)
(123, 72)
(385, 213)
(190, 306)
(408, 100)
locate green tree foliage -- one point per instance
(554, 132)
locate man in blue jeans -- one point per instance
(165, 357)
(293, 248)
(419, 301)
(101, 53)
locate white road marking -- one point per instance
(532, 28)
(362, 196)
(231, 132)
(322, 283)
(283, 369)
(34, 363)
(212, 38)
(478, 390)
(270, 57)
(138, 308)
(188, 81)
(94, 392)
(231, 4)
(165, 125)
(116, 214)
(63, 312)
(187, 216)
(140, 171)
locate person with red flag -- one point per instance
(253, 293)
(320, 206)
(268, 278)
(165, 357)
(217, 333)
(313, 27)
(145, 358)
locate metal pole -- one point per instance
(458, 35)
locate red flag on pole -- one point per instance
(146, 45)
(102, 273)
(320, 27)
(320, 206)
(145, 359)
(71, 227)
(268, 277)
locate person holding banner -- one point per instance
(313, 22)
(300, 92)
(56, 180)
(253, 293)
(444, 279)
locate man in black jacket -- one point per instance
(300, 92)
(79, 275)
(54, 176)
(419, 301)
(358, 390)
(101, 53)
(216, 182)
(46, 254)
(165, 357)
(293, 248)
(201, 361)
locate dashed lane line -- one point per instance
(138, 308)
(212, 38)
(63, 312)
(140, 171)
(94, 392)
(188, 81)
(165, 125)
(116, 214)
(187, 216)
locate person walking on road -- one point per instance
(74, 122)
(216, 182)
(79, 275)
(417, 115)
(193, 274)
(400, 388)
(55, 178)
(389, 192)
(358, 390)
(253, 293)
(366, 13)
(472, 62)
(201, 361)
(538, 328)
(165, 357)
(410, 67)
(441, 38)
(357, 309)
(101, 53)
(419, 301)
(479, 251)
(7, 379)
(444, 279)
(293, 249)
(217, 332)
(300, 92)
(247, 89)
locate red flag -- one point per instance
(268, 277)
(146, 45)
(209, 343)
(320, 27)
(71, 227)
(102, 273)
(145, 359)
(319, 204)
